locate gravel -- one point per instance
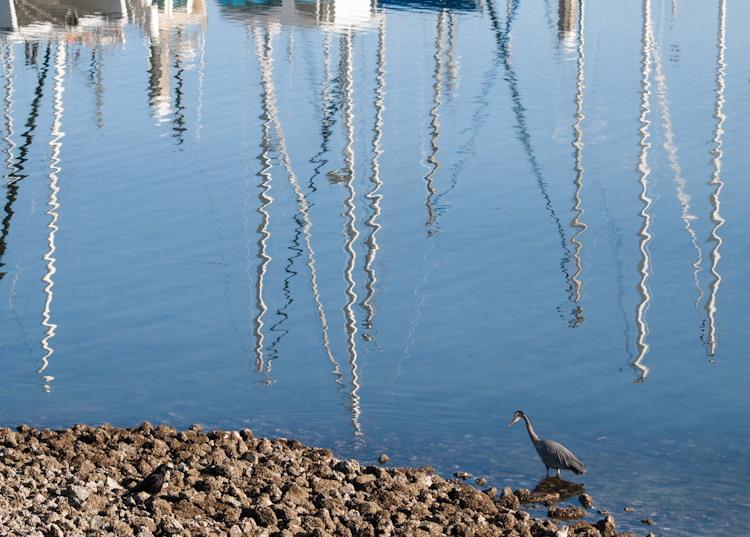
(228, 483)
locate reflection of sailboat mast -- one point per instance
(503, 39)
(435, 116)
(578, 145)
(716, 152)
(7, 56)
(326, 122)
(263, 52)
(53, 206)
(671, 150)
(644, 234)
(372, 196)
(272, 126)
(345, 74)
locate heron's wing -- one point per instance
(556, 455)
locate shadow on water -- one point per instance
(551, 487)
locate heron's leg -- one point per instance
(558, 472)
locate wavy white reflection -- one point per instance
(716, 154)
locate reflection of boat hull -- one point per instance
(20, 13)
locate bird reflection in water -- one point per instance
(551, 490)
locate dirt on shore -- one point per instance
(71, 482)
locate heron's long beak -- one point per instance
(512, 422)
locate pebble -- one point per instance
(69, 482)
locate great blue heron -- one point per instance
(153, 483)
(553, 455)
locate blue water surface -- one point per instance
(385, 228)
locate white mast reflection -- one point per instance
(578, 146)
(325, 101)
(53, 205)
(346, 92)
(716, 153)
(671, 150)
(263, 51)
(503, 39)
(644, 234)
(372, 196)
(273, 131)
(8, 60)
(435, 119)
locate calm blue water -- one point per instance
(386, 229)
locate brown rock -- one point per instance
(606, 526)
(565, 513)
(586, 501)
(229, 483)
(583, 529)
(523, 495)
(264, 516)
(470, 498)
(508, 499)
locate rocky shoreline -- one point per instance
(71, 482)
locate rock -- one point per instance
(583, 529)
(523, 495)
(566, 513)
(78, 495)
(606, 526)
(508, 499)
(110, 484)
(629, 509)
(229, 483)
(383, 459)
(545, 499)
(647, 521)
(586, 501)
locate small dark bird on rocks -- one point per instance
(153, 483)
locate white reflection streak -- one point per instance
(373, 196)
(8, 63)
(435, 117)
(351, 228)
(671, 149)
(644, 234)
(578, 145)
(201, 73)
(311, 262)
(53, 205)
(716, 152)
(264, 53)
(452, 65)
(264, 59)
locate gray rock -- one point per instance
(78, 494)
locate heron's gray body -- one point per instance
(553, 455)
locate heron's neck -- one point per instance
(532, 434)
